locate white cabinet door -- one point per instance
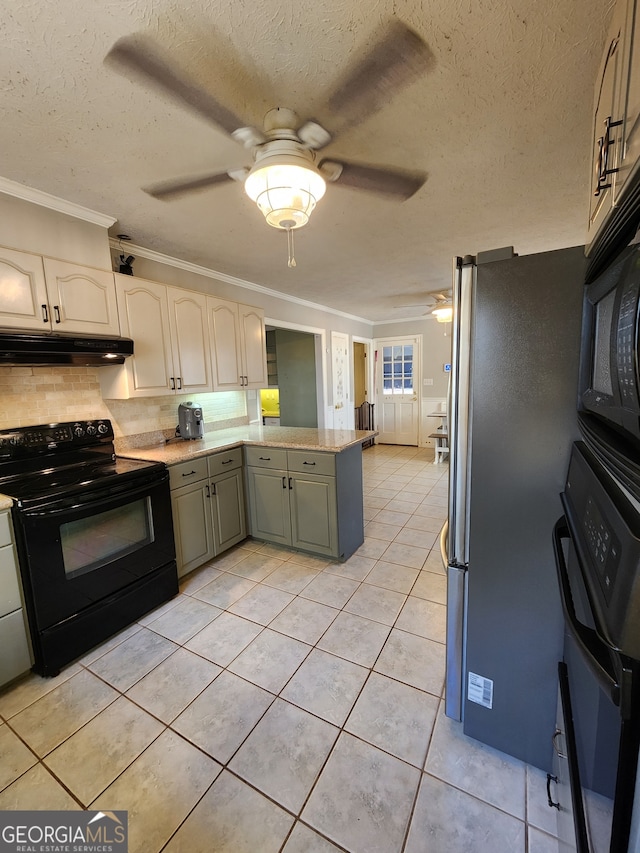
(42, 294)
(190, 340)
(81, 299)
(144, 316)
(239, 347)
(226, 344)
(23, 294)
(607, 135)
(629, 105)
(253, 346)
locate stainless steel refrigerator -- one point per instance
(512, 419)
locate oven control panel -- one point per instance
(52, 437)
(603, 546)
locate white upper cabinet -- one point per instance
(607, 124)
(239, 354)
(616, 122)
(189, 339)
(44, 295)
(630, 99)
(81, 299)
(170, 337)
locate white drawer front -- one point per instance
(5, 529)
(9, 589)
(16, 657)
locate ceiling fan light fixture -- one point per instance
(286, 187)
(443, 313)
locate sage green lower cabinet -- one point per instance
(207, 502)
(309, 500)
(228, 510)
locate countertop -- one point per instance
(290, 438)
(5, 503)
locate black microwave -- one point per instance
(609, 392)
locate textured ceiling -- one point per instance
(501, 124)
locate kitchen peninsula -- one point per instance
(303, 489)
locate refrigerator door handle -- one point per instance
(456, 641)
(459, 412)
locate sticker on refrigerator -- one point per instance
(480, 690)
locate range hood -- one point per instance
(70, 350)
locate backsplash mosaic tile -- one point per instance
(38, 395)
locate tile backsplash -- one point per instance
(40, 395)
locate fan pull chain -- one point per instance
(292, 261)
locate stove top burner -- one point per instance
(52, 460)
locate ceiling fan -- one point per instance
(439, 304)
(285, 180)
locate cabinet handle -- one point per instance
(228, 462)
(264, 458)
(213, 489)
(179, 383)
(290, 479)
(45, 314)
(242, 381)
(284, 482)
(246, 380)
(173, 383)
(602, 163)
(308, 463)
(551, 803)
(554, 739)
(56, 311)
(189, 474)
(208, 490)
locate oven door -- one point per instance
(602, 686)
(79, 550)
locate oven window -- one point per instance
(93, 542)
(602, 345)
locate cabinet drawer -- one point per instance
(16, 657)
(9, 589)
(188, 472)
(5, 529)
(312, 462)
(225, 461)
(267, 457)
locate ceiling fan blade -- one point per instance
(140, 55)
(180, 186)
(397, 183)
(398, 58)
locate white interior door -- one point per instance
(397, 384)
(340, 374)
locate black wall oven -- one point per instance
(609, 393)
(94, 535)
(597, 545)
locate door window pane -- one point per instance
(397, 369)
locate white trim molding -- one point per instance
(152, 255)
(60, 205)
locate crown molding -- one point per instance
(60, 205)
(152, 255)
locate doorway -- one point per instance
(398, 379)
(296, 373)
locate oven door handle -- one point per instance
(595, 652)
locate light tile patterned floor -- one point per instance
(283, 703)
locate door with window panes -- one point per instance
(397, 383)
